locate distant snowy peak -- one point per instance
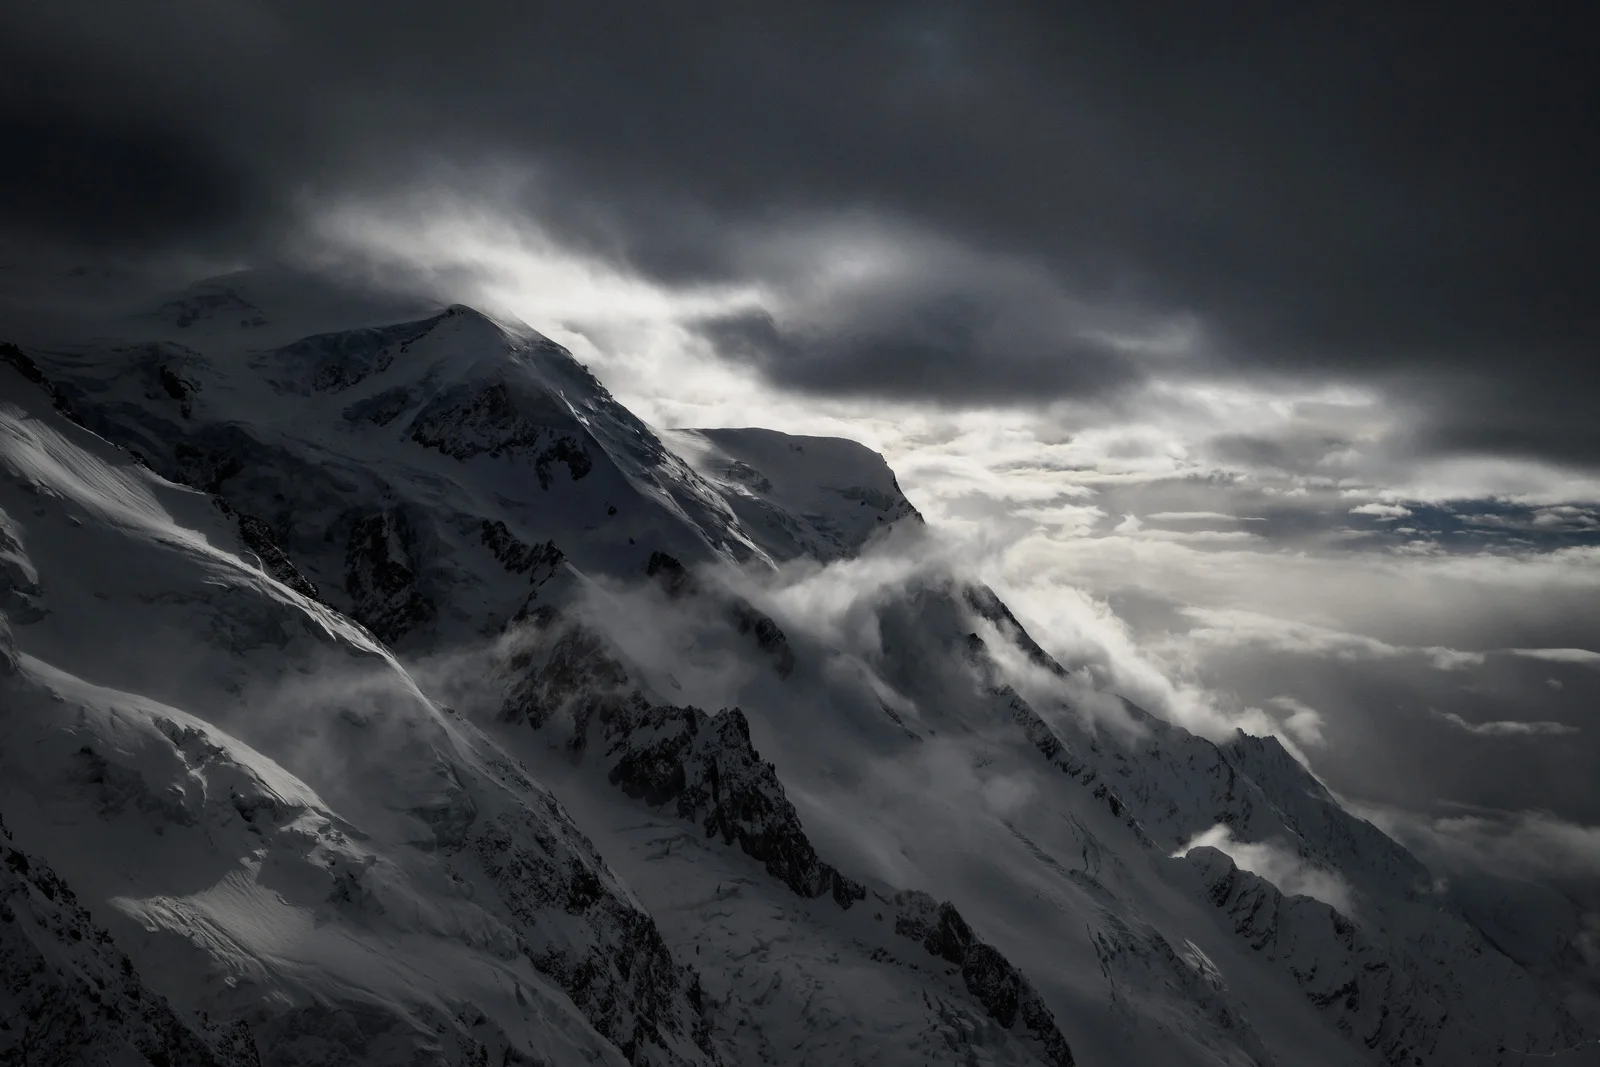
(823, 497)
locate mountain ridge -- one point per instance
(402, 545)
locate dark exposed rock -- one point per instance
(116, 788)
(746, 475)
(258, 535)
(489, 420)
(704, 766)
(15, 357)
(178, 389)
(983, 600)
(769, 638)
(380, 578)
(626, 981)
(577, 675)
(346, 358)
(381, 409)
(8, 649)
(517, 556)
(670, 573)
(205, 469)
(1002, 990)
(468, 422)
(566, 450)
(708, 769)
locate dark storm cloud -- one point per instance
(1289, 452)
(951, 345)
(1401, 197)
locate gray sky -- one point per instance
(1309, 291)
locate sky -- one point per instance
(1250, 354)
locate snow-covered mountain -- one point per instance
(385, 692)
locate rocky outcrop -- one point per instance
(24, 365)
(671, 575)
(20, 595)
(518, 557)
(984, 602)
(768, 637)
(622, 976)
(206, 469)
(333, 362)
(1005, 994)
(177, 389)
(381, 409)
(381, 580)
(564, 669)
(491, 420)
(259, 537)
(9, 661)
(707, 769)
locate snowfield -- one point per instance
(375, 689)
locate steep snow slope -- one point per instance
(68, 996)
(910, 838)
(315, 849)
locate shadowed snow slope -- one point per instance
(388, 693)
(817, 497)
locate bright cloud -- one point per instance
(1383, 512)
(1303, 722)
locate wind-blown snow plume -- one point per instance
(1278, 865)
